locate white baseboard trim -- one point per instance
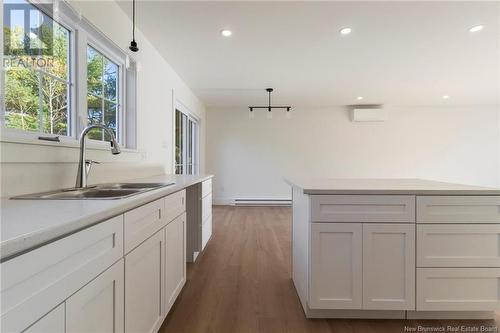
(252, 202)
(355, 314)
(389, 314)
(474, 315)
(222, 201)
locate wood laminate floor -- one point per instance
(241, 283)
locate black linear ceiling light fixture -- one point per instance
(269, 107)
(133, 44)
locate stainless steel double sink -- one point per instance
(102, 191)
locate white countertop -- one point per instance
(386, 186)
(26, 224)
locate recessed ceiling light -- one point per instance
(226, 33)
(476, 28)
(446, 97)
(359, 98)
(345, 31)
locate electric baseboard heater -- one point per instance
(262, 202)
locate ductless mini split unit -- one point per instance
(368, 113)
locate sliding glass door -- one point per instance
(186, 144)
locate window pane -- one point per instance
(36, 46)
(110, 80)
(110, 118)
(95, 62)
(58, 63)
(21, 99)
(102, 84)
(94, 109)
(15, 32)
(54, 106)
(178, 141)
(189, 157)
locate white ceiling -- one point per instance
(399, 53)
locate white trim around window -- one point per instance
(82, 33)
(195, 138)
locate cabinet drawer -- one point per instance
(458, 209)
(458, 289)
(363, 208)
(206, 231)
(37, 281)
(143, 222)
(175, 205)
(206, 187)
(206, 207)
(458, 245)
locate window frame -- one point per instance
(121, 82)
(62, 18)
(190, 117)
(82, 32)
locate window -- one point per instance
(47, 61)
(37, 71)
(186, 144)
(102, 93)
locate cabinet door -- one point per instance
(34, 283)
(144, 281)
(389, 266)
(206, 232)
(336, 266)
(98, 306)
(52, 322)
(175, 259)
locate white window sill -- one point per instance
(7, 136)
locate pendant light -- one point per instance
(133, 44)
(269, 107)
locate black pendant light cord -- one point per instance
(133, 44)
(269, 92)
(133, 19)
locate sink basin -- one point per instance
(133, 185)
(92, 193)
(102, 191)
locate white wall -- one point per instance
(250, 157)
(28, 168)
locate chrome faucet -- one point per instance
(85, 165)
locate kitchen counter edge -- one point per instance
(16, 246)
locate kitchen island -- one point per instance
(395, 248)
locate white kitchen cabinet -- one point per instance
(361, 254)
(458, 245)
(175, 259)
(99, 305)
(144, 283)
(199, 218)
(336, 266)
(34, 283)
(363, 208)
(458, 209)
(175, 205)
(458, 289)
(388, 266)
(142, 222)
(52, 322)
